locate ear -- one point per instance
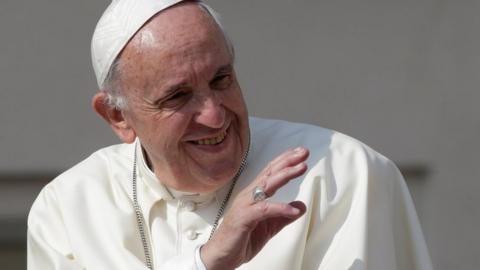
(114, 117)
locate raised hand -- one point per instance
(248, 225)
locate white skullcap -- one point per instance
(120, 21)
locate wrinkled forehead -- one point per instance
(168, 39)
(181, 45)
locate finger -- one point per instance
(276, 224)
(290, 157)
(299, 205)
(267, 210)
(281, 178)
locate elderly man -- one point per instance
(197, 184)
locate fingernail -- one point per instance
(295, 211)
(299, 149)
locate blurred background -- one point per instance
(402, 76)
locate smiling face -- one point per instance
(183, 99)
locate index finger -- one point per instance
(279, 171)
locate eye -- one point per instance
(176, 100)
(221, 82)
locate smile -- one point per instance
(213, 140)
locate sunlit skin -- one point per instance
(178, 78)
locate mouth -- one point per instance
(218, 139)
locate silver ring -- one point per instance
(258, 194)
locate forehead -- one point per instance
(184, 21)
(180, 38)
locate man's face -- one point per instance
(184, 101)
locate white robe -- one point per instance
(359, 212)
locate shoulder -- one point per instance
(281, 128)
(322, 142)
(342, 160)
(98, 167)
(338, 165)
(106, 171)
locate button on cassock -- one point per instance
(189, 206)
(191, 235)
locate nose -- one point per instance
(211, 112)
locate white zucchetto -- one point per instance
(120, 21)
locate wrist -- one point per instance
(213, 259)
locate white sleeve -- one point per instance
(198, 259)
(184, 261)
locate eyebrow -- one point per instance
(174, 88)
(224, 69)
(168, 93)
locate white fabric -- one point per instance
(119, 22)
(359, 212)
(198, 259)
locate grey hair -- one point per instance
(111, 85)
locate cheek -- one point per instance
(168, 130)
(151, 128)
(163, 140)
(234, 101)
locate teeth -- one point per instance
(214, 140)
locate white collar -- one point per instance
(154, 190)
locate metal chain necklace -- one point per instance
(141, 220)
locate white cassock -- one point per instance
(359, 212)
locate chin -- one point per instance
(214, 181)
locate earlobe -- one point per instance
(114, 117)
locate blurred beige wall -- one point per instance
(402, 76)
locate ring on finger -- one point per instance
(258, 194)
